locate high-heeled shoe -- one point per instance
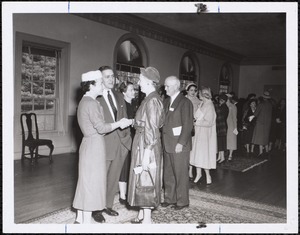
(222, 160)
(229, 159)
(208, 180)
(197, 179)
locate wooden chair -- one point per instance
(29, 119)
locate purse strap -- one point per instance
(138, 178)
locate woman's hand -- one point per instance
(146, 159)
(124, 122)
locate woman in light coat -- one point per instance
(203, 154)
(232, 127)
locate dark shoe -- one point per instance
(110, 212)
(166, 204)
(76, 222)
(179, 207)
(122, 201)
(191, 179)
(136, 221)
(98, 217)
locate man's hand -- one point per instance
(178, 148)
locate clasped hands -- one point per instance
(124, 122)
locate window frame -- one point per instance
(195, 61)
(63, 82)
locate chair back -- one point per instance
(31, 122)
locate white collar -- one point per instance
(173, 97)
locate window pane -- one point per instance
(26, 88)
(26, 105)
(26, 58)
(39, 104)
(38, 89)
(50, 90)
(50, 106)
(50, 74)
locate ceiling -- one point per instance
(248, 38)
(253, 36)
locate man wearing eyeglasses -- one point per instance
(117, 142)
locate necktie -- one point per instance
(113, 107)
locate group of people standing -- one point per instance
(155, 143)
(110, 144)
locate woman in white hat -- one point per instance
(90, 192)
(191, 90)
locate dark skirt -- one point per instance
(222, 143)
(124, 176)
(247, 135)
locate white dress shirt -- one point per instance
(107, 101)
(173, 97)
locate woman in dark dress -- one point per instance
(127, 89)
(248, 126)
(221, 124)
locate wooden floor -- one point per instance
(45, 188)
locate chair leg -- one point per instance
(31, 155)
(36, 154)
(50, 154)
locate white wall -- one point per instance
(254, 78)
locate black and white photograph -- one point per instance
(150, 117)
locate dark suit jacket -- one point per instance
(117, 136)
(182, 115)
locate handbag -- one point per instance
(193, 131)
(145, 196)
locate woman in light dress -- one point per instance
(232, 126)
(91, 186)
(203, 154)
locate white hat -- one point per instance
(190, 84)
(91, 76)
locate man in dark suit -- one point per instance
(177, 142)
(117, 142)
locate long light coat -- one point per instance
(204, 149)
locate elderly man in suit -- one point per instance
(117, 142)
(177, 142)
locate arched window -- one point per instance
(130, 55)
(225, 78)
(189, 69)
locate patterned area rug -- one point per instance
(204, 208)
(242, 164)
